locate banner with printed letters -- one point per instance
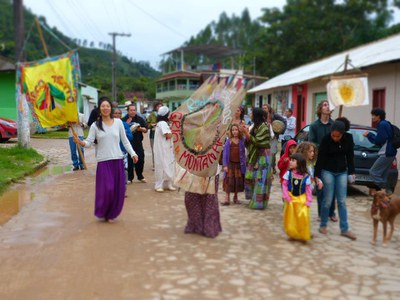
(51, 88)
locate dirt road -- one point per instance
(54, 248)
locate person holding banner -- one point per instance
(110, 173)
(77, 160)
(258, 174)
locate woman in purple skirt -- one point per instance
(110, 173)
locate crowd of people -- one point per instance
(324, 164)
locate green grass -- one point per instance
(15, 163)
(59, 134)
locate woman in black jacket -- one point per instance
(334, 163)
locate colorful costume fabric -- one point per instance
(234, 158)
(258, 175)
(296, 189)
(203, 213)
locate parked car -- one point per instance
(365, 154)
(8, 129)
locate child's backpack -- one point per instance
(396, 136)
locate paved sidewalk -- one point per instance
(55, 249)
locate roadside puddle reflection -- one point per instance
(12, 201)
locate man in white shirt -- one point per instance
(290, 124)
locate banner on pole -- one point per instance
(51, 88)
(349, 91)
(199, 128)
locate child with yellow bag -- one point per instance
(297, 193)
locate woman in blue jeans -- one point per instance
(334, 163)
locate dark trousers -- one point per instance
(138, 147)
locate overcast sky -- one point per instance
(156, 26)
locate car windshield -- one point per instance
(361, 142)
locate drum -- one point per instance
(278, 126)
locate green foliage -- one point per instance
(95, 63)
(303, 31)
(307, 30)
(15, 163)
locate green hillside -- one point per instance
(95, 63)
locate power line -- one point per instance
(89, 22)
(66, 27)
(158, 21)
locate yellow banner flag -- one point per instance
(51, 87)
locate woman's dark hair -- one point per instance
(241, 112)
(99, 122)
(345, 121)
(379, 112)
(158, 103)
(163, 118)
(338, 126)
(301, 162)
(258, 116)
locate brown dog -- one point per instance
(385, 209)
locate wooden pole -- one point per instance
(346, 62)
(41, 36)
(79, 147)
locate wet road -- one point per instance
(55, 249)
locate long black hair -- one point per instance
(258, 118)
(99, 121)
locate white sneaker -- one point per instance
(171, 188)
(160, 190)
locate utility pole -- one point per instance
(114, 63)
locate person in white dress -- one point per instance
(164, 160)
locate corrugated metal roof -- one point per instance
(384, 50)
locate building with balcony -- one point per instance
(181, 78)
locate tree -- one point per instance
(306, 30)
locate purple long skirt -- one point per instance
(110, 189)
(203, 214)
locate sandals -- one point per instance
(226, 202)
(323, 230)
(333, 218)
(349, 235)
(236, 200)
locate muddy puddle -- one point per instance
(22, 193)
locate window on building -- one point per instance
(378, 100)
(181, 84)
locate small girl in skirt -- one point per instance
(234, 164)
(297, 193)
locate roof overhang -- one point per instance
(382, 51)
